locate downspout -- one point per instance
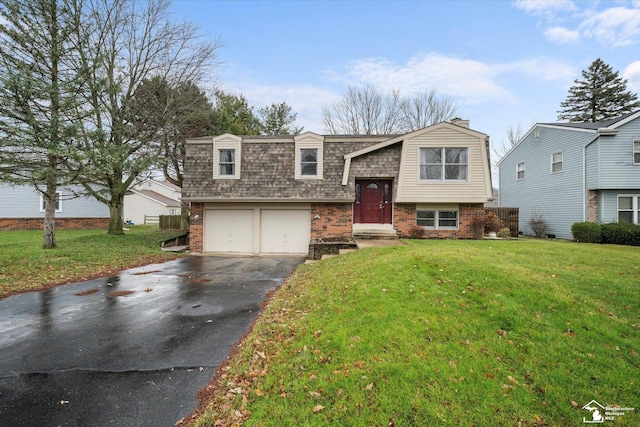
(584, 178)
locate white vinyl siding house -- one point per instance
(574, 172)
(475, 188)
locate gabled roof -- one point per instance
(606, 127)
(156, 197)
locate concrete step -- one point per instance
(375, 234)
(326, 256)
(346, 251)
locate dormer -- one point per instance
(309, 156)
(227, 155)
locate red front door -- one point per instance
(373, 202)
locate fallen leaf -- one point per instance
(574, 404)
(314, 394)
(318, 408)
(369, 387)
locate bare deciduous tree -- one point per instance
(367, 111)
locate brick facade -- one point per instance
(331, 221)
(593, 206)
(196, 231)
(405, 218)
(61, 223)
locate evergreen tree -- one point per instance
(39, 83)
(601, 95)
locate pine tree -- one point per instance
(601, 95)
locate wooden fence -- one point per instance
(170, 222)
(151, 219)
(509, 217)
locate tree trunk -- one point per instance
(49, 240)
(184, 216)
(115, 217)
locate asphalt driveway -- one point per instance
(128, 350)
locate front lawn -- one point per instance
(81, 254)
(458, 333)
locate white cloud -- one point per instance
(632, 74)
(546, 8)
(464, 79)
(545, 69)
(617, 26)
(562, 35)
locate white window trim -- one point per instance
(633, 148)
(309, 140)
(233, 152)
(227, 142)
(635, 206)
(302, 175)
(524, 171)
(59, 194)
(443, 164)
(437, 211)
(552, 162)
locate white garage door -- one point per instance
(229, 231)
(285, 231)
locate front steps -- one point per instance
(374, 232)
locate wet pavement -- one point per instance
(128, 350)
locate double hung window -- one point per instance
(438, 219)
(443, 164)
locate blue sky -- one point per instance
(503, 62)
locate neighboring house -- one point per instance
(571, 172)
(22, 208)
(276, 194)
(151, 199)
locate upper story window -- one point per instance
(227, 162)
(309, 156)
(309, 162)
(636, 151)
(443, 164)
(520, 170)
(43, 202)
(227, 150)
(556, 162)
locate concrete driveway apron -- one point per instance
(128, 350)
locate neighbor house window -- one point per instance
(227, 162)
(443, 164)
(438, 219)
(309, 162)
(520, 170)
(629, 209)
(636, 151)
(556, 162)
(43, 202)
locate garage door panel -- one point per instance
(229, 231)
(285, 231)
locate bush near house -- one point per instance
(587, 232)
(621, 233)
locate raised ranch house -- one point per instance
(573, 172)
(277, 194)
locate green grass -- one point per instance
(80, 254)
(454, 333)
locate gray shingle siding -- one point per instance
(267, 171)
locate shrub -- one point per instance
(477, 227)
(504, 233)
(621, 233)
(587, 232)
(417, 232)
(491, 222)
(538, 224)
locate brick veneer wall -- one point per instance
(593, 206)
(61, 223)
(196, 230)
(334, 222)
(405, 218)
